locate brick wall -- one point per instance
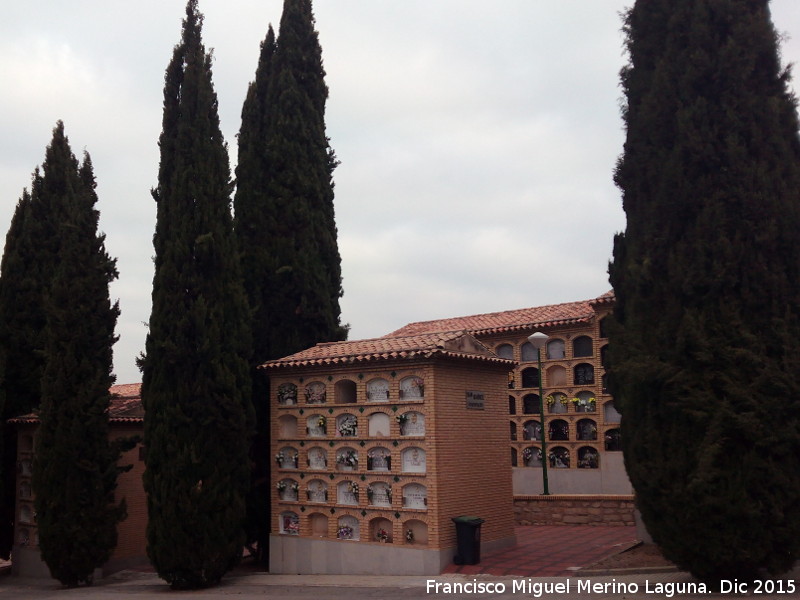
(470, 468)
(574, 510)
(131, 542)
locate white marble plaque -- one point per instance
(317, 459)
(378, 390)
(414, 424)
(414, 460)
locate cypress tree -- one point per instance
(75, 466)
(284, 220)
(706, 347)
(195, 374)
(284, 198)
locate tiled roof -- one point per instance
(456, 344)
(538, 317)
(126, 406)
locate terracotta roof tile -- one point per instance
(457, 344)
(510, 320)
(126, 406)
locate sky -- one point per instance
(477, 139)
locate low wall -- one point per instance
(565, 509)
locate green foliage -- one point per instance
(75, 467)
(284, 198)
(285, 219)
(195, 374)
(706, 348)
(26, 273)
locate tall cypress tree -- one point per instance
(706, 351)
(284, 198)
(26, 273)
(284, 219)
(195, 374)
(75, 466)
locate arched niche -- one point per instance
(612, 440)
(378, 390)
(345, 392)
(584, 402)
(380, 530)
(582, 346)
(413, 460)
(610, 413)
(346, 459)
(556, 376)
(315, 393)
(512, 426)
(347, 528)
(558, 430)
(530, 377)
(411, 423)
(26, 468)
(412, 388)
(378, 425)
(603, 327)
(528, 353)
(289, 523)
(512, 405)
(557, 403)
(513, 457)
(347, 425)
(586, 430)
(317, 425)
(604, 356)
(588, 458)
(415, 495)
(319, 525)
(26, 513)
(317, 491)
(530, 404)
(559, 458)
(583, 374)
(24, 490)
(379, 459)
(415, 532)
(532, 430)
(287, 426)
(288, 490)
(532, 456)
(379, 493)
(287, 394)
(556, 349)
(347, 492)
(505, 351)
(287, 458)
(317, 458)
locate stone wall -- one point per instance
(574, 510)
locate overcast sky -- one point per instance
(477, 139)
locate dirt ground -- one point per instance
(640, 556)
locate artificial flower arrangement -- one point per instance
(349, 458)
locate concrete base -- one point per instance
(290, 554)
(610, 478)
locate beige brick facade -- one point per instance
(447, 456)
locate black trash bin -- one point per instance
(468, 538)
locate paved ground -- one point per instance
(541, 566)
(548, 550)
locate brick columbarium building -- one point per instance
(377, 444)
(126, 418)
